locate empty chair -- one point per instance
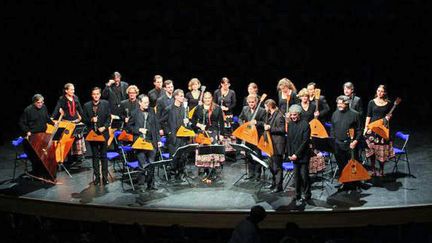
(19, 155)
(401, 151)
(288, 169)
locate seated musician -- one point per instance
(173, 117)
(129, 105)
(275, 124)
(71, 106)
(143, 123)
(377, 147)
(208, 120)
(97, 117)
(246, 115)
(342, 120)
(34, 120)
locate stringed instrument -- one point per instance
(317, 128)
(248, 132)
(354, 170)
(288, 98)
(265, 142)
(45, 149)
(65, 143)
(203, 137)
(192, 111)
(94, 135)
(183, 131)
(381, 126)
(124, 136)
(141, 142)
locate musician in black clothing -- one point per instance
(342, 120)
(129, 105)
(246, 115)
(34, 120)
(286, 91)
(194, 93)
(298, 152)
(355, 102)
(97, 117)
(173, 117)
(323, 107)
(226, 98)
(252, 89)
(166, 98)
(208, 117)
(275, 124)
(115, 92)
(70, 104)
(308, 109)
(143, 123)
(156, 92)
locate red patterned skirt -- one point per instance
(209, 160)
(317, 163)
(383, 151)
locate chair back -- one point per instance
(404, 137)
(17, 142)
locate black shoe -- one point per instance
(105, 181)
(251, 177)
(297, 197)
(96, 181)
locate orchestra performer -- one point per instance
(115, 92)
(156, 92)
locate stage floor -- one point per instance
(392, 190)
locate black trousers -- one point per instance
(173, 144)
(254, 168)
(342, 154)
(99, 151)
(302, 180)
(276, 170)
(146, 157)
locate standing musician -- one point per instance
(97, 117)
(194, 93)
(115, 92)
(298, 152)
(208, 119)
(342, 120)
(156, 92)
(34, 120)
(308, 109)
(166, 98)
(377, 147)
(144, 123)
(252, 89)
(275, 124)
(323, 107)
(129, 105)
(173, 117)
(286, 91)
(254, 169)
(226, 98)
(355, 102)
(71, 106)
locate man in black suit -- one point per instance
(298, 151)
(166, 98)
(157, 91)
(143, 123)
(323, 107)
(115, 92)
(246, 115)
(355, 102)
(275, 124)
(97, 117)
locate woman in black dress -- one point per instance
(308, 109)
(226, 98)
(378, 148)
(194, 93)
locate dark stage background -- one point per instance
(47, 44)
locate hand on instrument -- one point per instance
(94, 119)
(28, 134)
(201, 126)
(224, 108)
(266, 127)
(159, 144)
(316, 114)
(101, 129)
(200, 102)
(185, 121)
(253, 122)
(143, 130)
(61, 111)
(126, 119)
(110, 82)
(293, 157)
(388, 116)
(353, 144)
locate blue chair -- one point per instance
(19, 156)
(114, 157)
(288, 169)
(400, 149)
(129, 167)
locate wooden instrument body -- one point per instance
(247, 132)
(47, 155)
(64, 145)
(265, 143)
(184, 132)
(92, 136)
(125, 137)
(142, 144)
(379, 127)
(317, 129)
(201, 138)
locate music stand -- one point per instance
(79, 130)
(116, 124)
(181, 154)
(57, 137)
(252, 154)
